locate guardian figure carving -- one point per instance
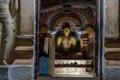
(8, 11)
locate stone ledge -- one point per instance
(23, 62)
(24, 52)
(112, 49)
(112, 63)
(113, 56)
(18, 72)
(112, 43)
(24, 40)
(112, 73)
(24, 48)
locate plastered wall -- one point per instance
(27, 17)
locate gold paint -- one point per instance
(66, 40)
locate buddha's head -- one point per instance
(66, 28)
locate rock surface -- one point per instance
(112, 73)
(3, 73)
(25, 73)
(20, 73)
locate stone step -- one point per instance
(65, 78)
(23, 62)
(112, 63)
(110, 43)
(24, 52)
(112, 49)
(24, 40)
(112, 56)
(19, 72)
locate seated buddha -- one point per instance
(66, 41)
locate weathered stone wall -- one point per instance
(112, 23)
(27, 17)
(112, 31)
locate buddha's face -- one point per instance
(66, 31)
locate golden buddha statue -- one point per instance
(66, 41)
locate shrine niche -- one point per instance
(67, 39)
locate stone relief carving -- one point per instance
(8, 11)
